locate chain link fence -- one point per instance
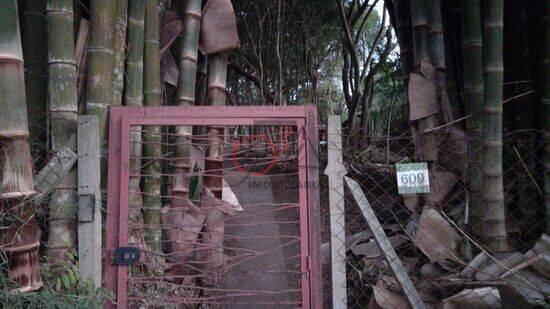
(439, 237)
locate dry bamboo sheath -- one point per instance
(19, 238)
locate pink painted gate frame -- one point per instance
(304, 117)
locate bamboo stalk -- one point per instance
(63, 109)
(35, 55)
(185, 96)
(546, 111)
(214, 224)
(217, 81)
(18, 241)
(492, 186)
(133, 96)
(152, 134)
(420, 28)
(101, 59)
(472, 48)
(436, 38)
(121, 25)
(81, 58)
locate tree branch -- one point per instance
(252, 78)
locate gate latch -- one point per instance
(126, 256)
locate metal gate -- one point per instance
(213, 207)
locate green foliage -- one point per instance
(195, 185)
(62, 289)
(64, 276)
(83, 295)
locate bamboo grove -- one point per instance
(83, 58)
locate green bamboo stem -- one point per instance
(492, 186)
(185, 94)
(546, 111)
(63, 110)
(472, 48)
(101, 59)
(152, 134)
(437, 40)
(420, 28)
(18, 241)
(35, 55)
(121, 19)
(133, 96)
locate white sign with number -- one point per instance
(413, 178)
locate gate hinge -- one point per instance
(126, 256)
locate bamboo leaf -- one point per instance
(66, 281)
(195, 185)
(58, 284)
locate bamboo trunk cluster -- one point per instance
(133, 96)
(152, 180)
(493, 219)
(63, 109)
(19, 231)
(185, 96)
(472, 48)
(36, 83)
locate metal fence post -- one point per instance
(89, 201)
(336, 171)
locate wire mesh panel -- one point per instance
(439, 237)
(218, 210)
